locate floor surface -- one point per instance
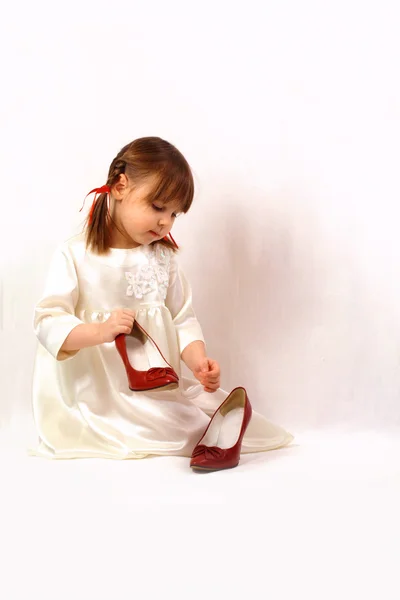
(317, 520)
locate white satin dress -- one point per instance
(82, 403)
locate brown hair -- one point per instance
(144, 157)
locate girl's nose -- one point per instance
(165, 221)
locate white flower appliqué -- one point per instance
(151, 276)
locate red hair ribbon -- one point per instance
(173, 241)
(104, 189)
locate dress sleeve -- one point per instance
(55, 312)
(179, 303)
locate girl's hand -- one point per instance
(120, 321)
(208, 372)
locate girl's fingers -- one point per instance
(123, 329)
(213, 384)
(208, 379)
(214, 370)
(210, 387)
(127, 322)
(127, 318)
(213, 374)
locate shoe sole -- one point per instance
(214, 469)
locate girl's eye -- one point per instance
(161, 208)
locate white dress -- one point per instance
(82, 403)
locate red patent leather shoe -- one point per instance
(219, 448)
(147, 353)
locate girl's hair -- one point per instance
(144, 157)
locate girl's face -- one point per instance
(136, 220)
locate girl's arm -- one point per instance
(93, 334)
(179, 303)
(190, 337)
(82, 336)
(55, 312)
(57, 327)
(205, 369)
(194, 354)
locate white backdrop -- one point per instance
(289, 113)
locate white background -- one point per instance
(289, 113)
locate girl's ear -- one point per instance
(120, 188)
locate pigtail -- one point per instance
(97, 225)
(98, 232)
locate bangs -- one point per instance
(174, 186)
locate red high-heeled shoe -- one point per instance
(219, 448)
(146, 353)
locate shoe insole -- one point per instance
(142, 353)
(224, 431)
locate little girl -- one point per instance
(123, 268)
